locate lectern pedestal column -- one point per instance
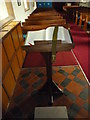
(50, 85)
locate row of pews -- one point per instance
(80, 15)
(41, 19)
(83, 19)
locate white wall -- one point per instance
(4, 12)
(85, 4)
(19, 12)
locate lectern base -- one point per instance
(52, 113)
(52, 89)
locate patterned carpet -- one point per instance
(76, 92)
(82, 45)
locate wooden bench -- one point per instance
(42, 26)
(41, 15)
(42, 22)
(75, 11)
(11, 40)
(87, 23)
(42, 19)
(83, 17)
(43, 10)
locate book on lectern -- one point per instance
(47, 34)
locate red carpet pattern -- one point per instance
(76, 92)
(82, 46)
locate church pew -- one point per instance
(43, 22)
(44, 17)
(80, 14)
(87, 22)
(41, 15)
(70, 10)
(52, 12)
(26, 28)
(43, 10)
(74, 11)
(75, 8)
(76, 17)
(82, 17)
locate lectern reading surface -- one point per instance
(47, 34)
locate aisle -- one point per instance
(70, 79)
(81, 40)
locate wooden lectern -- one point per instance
(45, 48)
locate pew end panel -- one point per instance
(12, 60)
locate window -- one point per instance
(26, 5)
(84, 1)
(3, 9)
(6, 12)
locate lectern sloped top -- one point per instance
(47, 34)
(41, 40)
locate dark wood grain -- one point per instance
(48, 47)
(44, 26)
(45, 42)
(30, 18)
(56, 21)
(41, 19)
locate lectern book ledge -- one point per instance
(47, 34)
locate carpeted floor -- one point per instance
(37, 60)
(70, 79)
(82, 46)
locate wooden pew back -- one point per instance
(43, 22)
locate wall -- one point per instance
(85, 4)
(4, 12)
(19, 12)
(44, 4)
